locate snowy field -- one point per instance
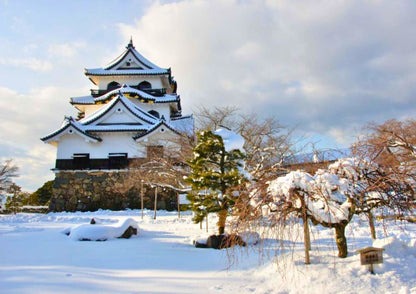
(37, 257)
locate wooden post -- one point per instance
(305, 232)
(141, 196)
(154, 216)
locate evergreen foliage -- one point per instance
(42, 195)
(215, 172)
(17, 198)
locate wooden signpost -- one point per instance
(370, 256)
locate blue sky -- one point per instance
(324, 67)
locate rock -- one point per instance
(92, 222)
(200, 245)
(129, 232)
(221, 241)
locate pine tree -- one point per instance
(42, 195)
(215, 172)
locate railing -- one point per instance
(97, 164)
(155, 92)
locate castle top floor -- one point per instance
(132, 69)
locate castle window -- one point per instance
(81, 160)
(145, 85)
(154, 113)
(113, 85)
(117, 160)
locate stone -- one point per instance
(129, 232)
(222, 241)
(105, 190)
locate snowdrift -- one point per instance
(96, 232)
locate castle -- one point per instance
(134, 112)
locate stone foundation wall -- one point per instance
(90, 191)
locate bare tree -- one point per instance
(212, 118)
(8, 171)
(163, 169)
(267, 142)
(330, 197)
(391, 146)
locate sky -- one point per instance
(325, 68)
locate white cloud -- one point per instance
(65, 50)
(35, 64)
(25, 119)
(318, 65)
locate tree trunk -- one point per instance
(141, 197)
(179, 204)
(222, 216)
(308, 235)
(207, 223)
(306, 239)
(341, 240)
(155, 208)
(372, 226)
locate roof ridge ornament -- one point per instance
(130, 44)
(68, 118)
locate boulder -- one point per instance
(221, 241)
(129, 232)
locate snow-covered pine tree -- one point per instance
(215, 173)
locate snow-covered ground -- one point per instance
(37, 257)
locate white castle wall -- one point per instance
(162, 108)
(111, 143)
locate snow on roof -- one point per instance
(70, 122)
(82, 100)
(147, 124)
(154, 128)
(116, 128)
(183, 124)
(134, 109)
(137, 55)
(115, 67)
(125, 89)
(231, 139)
(124, 72)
